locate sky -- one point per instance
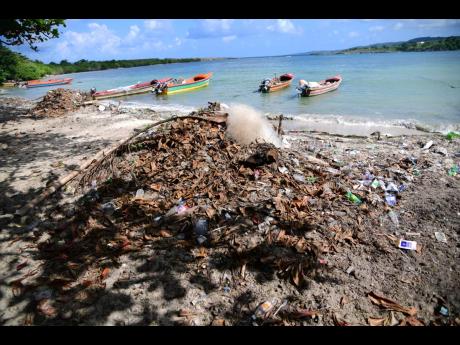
(107, 39)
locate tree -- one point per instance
(15, 32)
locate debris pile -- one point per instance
(58, 102)
(188, 194)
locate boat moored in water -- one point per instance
(129, 90)
(307, 89)
(50, 82)
(183, 85)
(275, 84)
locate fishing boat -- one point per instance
(129, 90)
(307, 89)
(50, 82)
(183, 85)
(9, 84)
(276, 84)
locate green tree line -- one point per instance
(15, 66)
(443, 44)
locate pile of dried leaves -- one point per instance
(256, 204)
(58, 102)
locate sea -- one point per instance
(404, 88)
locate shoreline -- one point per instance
(341, 125)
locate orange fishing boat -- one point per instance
(275, 84)
(50, 82)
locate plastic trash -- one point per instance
(140, 194)
(299, 177)
(391, 187)
(452, 135)
(108, 208)
(262, 310)
(428, 145)
(444, 311)
(390, 199)
(394, 218)
(375, 184)
(201, 227)
(226, 289)
(201, 239)
(411, 245)
(177, 210)
(440, 237)
(353, 198)
(453, 171)
(283, 170)
(402, 188)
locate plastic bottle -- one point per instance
(262, 310)
(394, 218)
(353, 198)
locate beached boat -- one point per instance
(183, 85)
(50, 82)
(307, 89)
(129, 90)
(9, 84)
(275, 84)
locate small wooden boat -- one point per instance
(183, 85)
(50, 82)
(276, 84)
(134, 89)
(9, 84)
(307, 89)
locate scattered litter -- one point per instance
(428, 145)
(390, 199)
(283, 170)
(298, 177)
(140, 194)
(411, 245)
(394, 218)
(443, 311)
(440, 237)
(262, 310)
(453, 171)
(452, 135)
(353, 198)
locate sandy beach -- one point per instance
(164, 284)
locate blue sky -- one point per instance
(102, 39)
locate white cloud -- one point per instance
(352, 34)
(100, 38)
(284, 26)
(335, 32)
(398, 26)
(377, 28)
(158, 25)
(133, 33)
(227, 39)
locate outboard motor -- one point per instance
(265, 85)
(160, 88)
(92, 91)
(303, 87)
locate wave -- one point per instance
(353, 121)
(182, 109)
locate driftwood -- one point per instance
(100, 157)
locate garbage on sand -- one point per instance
(59, 102)
(440, 237)
(411, 245)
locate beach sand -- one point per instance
(34, 152)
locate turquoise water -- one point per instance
(424, 87)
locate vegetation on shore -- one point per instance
(15, 66)
(421, 44)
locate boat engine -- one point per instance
(160, 88)
(303, 87)
(265, 85)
